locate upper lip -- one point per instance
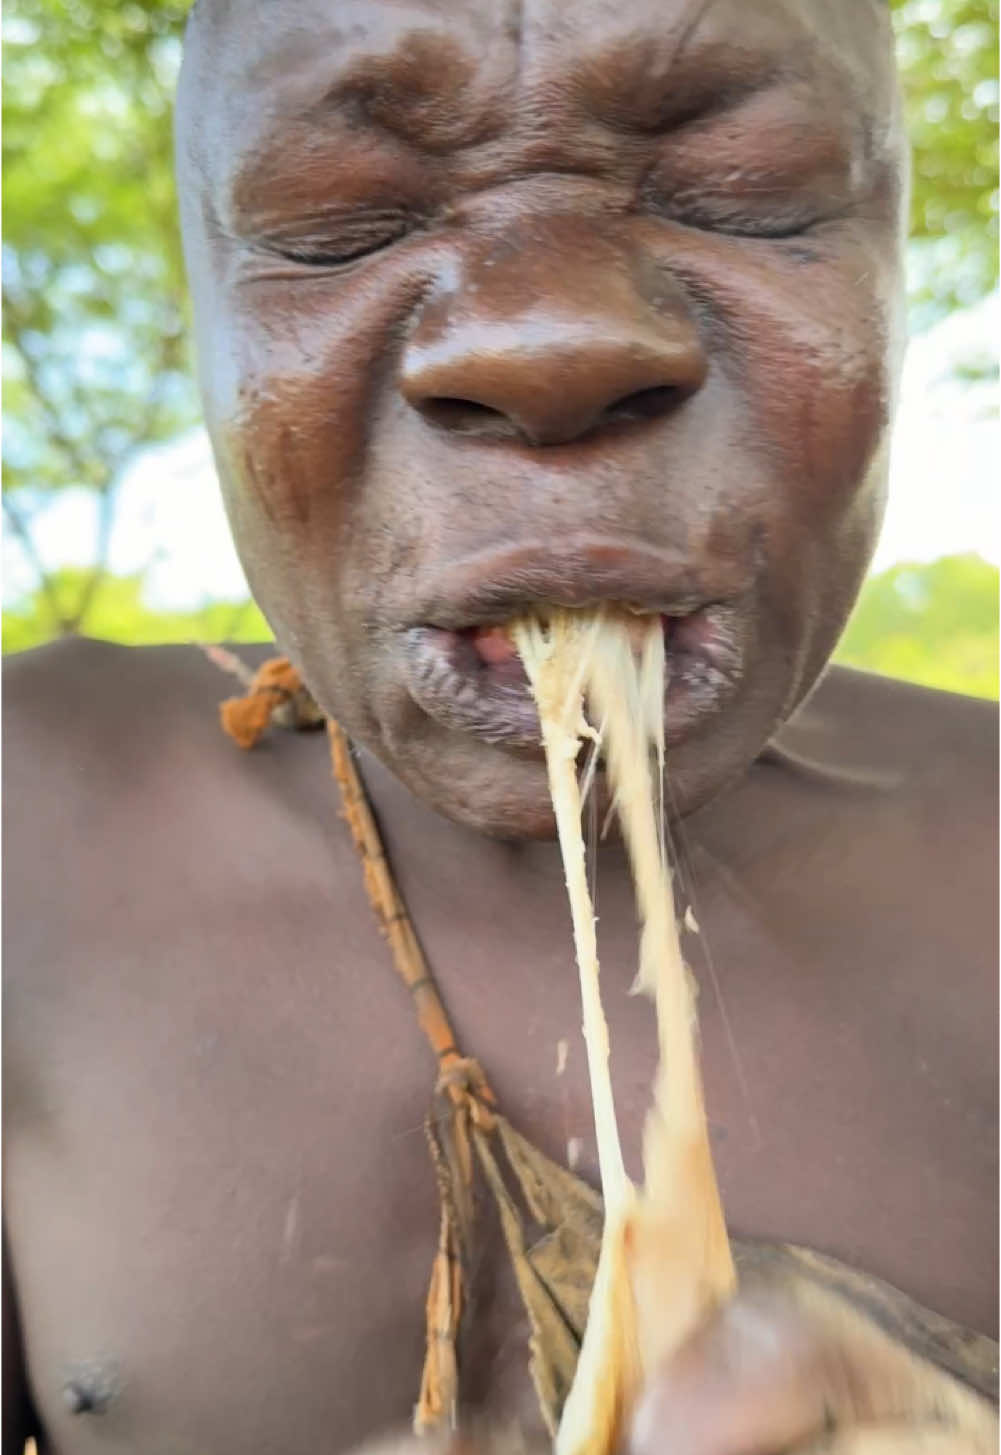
(496, 585)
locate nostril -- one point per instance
(467, 416)
(643, 404)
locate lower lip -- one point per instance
(457, 688)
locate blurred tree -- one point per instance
(936, 624)
(94, 334)
(948, 52)
(118, 613)
(95, 355)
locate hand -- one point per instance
(789, 1367)
(786, 1368)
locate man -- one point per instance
(501, 305)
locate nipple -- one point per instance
(89, 1387)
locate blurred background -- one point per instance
(112, 520)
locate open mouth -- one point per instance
(471, 679)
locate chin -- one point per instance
(504, 793)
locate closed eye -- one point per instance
(742, 216)
(766, 228)
(349, 241)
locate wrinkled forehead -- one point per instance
(450, 73)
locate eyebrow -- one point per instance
(391, 88)
(661, 82)
(691, 90)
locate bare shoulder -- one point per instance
(82, 700)
(98, 739)
(891, 724)
(881, 798)
(126, 807)
(871, 820)
(915, 751)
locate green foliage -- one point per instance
(118, 613)
(94, 337)
(94, 297)
(935, 624)
(948, 52)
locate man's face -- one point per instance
(507, 305)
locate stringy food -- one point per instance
(942, 1378)
(665, 1260)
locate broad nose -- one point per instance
(547, 345)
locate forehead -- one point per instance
(456, 68)
(265, 38)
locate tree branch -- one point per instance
(22, 530)
(85, 467)
(145, 431)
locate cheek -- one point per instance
(290, 421)
(808, 355)
(819, 388)
(806, 349)
(815, 352)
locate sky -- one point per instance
(944, 474)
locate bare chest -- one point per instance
(221, 1208)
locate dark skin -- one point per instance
(571, 305)
(622, 325)
(216, 1177)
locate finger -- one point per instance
(904, 1440)
(781, 1369)
(750, 1383)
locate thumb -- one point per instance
(784, 1368)
(903, 1440)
